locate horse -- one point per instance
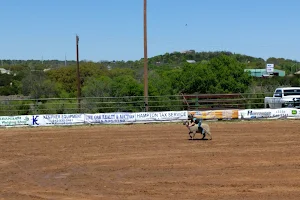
(194, 129)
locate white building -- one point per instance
(4, 71)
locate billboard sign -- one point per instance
(270, 68)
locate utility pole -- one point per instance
(145, 58)
(78, 75)
(65, 59)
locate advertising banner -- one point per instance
(255, 113)
(110, 118)
(22, 120)
(280, 113)
(168, 116)
(293, 113)
(57, 120)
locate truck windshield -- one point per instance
(291, 92)
(278, 93)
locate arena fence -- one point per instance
(26, 106)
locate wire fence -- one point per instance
(15, 106)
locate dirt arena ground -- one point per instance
(245, 160)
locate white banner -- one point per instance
(269, 113)
(255, 113)
(293, 113)
(22, 120)
(168, 116)
(59, 119)
(110, 118)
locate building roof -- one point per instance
(263, 72)
(288, 88)
(191, 61)
(297, 73)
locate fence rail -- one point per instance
(15, 106)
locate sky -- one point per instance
(113, 29)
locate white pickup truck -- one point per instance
(284, 97)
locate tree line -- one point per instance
(169, 74)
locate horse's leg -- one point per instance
(210, 136)
(194, 133)
(208, 133)
(190, 134)
(203, 134)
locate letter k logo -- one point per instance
(35, 120)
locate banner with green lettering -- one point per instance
(22, 120)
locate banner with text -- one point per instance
(57, 120)
(255, 113)
(294, 113)
(110, 118)
(167, 116)
(280, 113)
(22, 120)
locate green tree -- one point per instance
(230, 75)
(126, 85)
(97, 87)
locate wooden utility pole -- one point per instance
(78, 75)
(145, 58)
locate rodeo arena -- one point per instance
(240, 153)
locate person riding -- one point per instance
(194, 121)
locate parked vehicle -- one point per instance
(284, 97)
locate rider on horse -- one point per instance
(194, 121)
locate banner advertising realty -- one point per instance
(110, 118)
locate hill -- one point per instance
(169, 74)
